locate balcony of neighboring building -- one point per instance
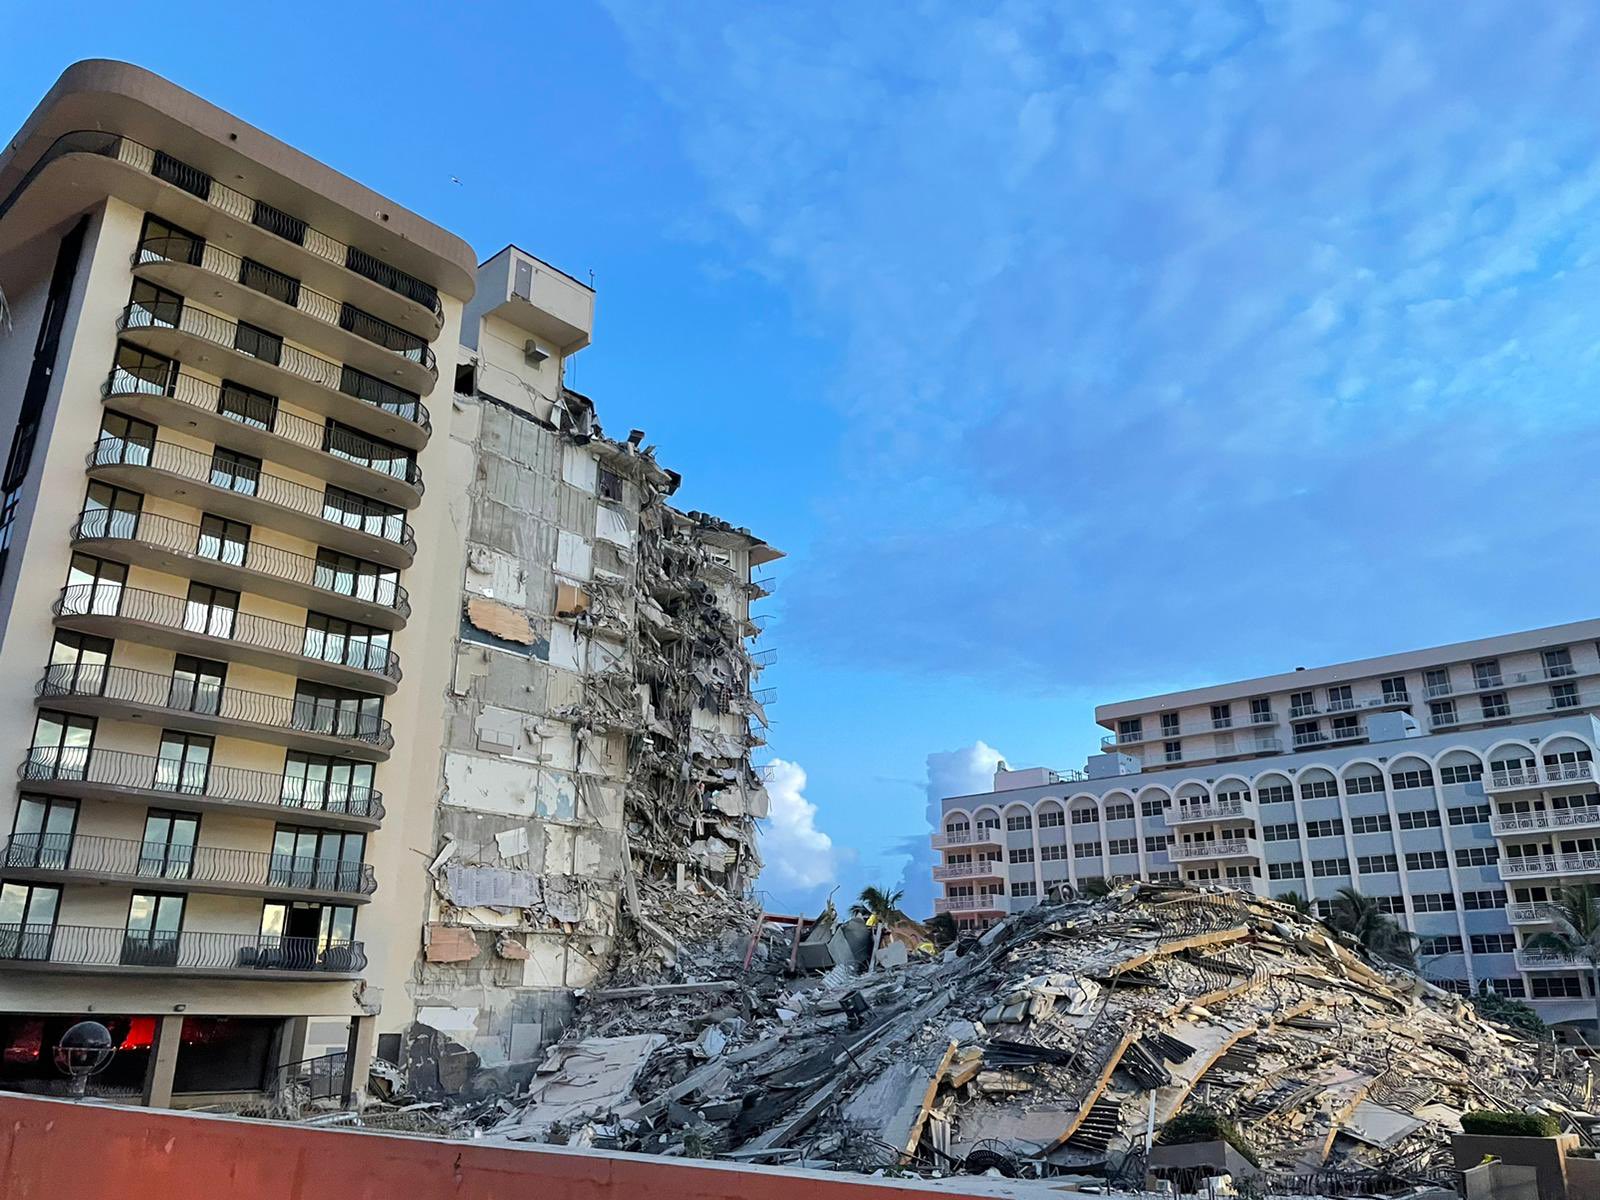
(165, 394)
(325, 799)
(1542, 777)
(99, 950)
(179, 702)
(1541, 913)
(339, 585)
(169, 867)
(1493, 707)
(994, 903)
(1210, 810)
(1582, 816)
(233, 486)
(989, 868)
(261, 295)
(170, 326)
(1233, 847)
(1583, 865)
(1550, 960)
(989, 835)
(208, 631)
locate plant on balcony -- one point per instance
(1374, 930)
(1575, 913)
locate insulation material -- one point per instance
(491, 887)
(578, 467)
(564, 647)
(495, 575)
(451, 944)
(513, 843)
(574, 558)
(501, 621)
(611, 526)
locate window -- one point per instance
(160, 241)
(1558, 662)
(258, 343)
(150, 307)
(1486, 674)
(1376, 864)
(1280, 833)
(1465, 773)
(328, 784)
(1340, 699)
(1420, 778)
(385, 457)
(1154, 842)
(350, 576)
(1393, 905)
(1163, 877)
(1323, 867)
(1278, 793)
(1232, 796)
(1478, 901)
(1130, 729)
(235, 472)
(1154, 808)
(1122, 846)
(1555, 987)
(382, 395)
(247, 406)
(1458, 986)
(94, 585)
(261, 278)
(1084, 816)
(27, 920)
(41, 835)
(1286, 870)
(1051, 818)
(1301, 704)
(197, 684)
(1477, 856)
(1506, 987)
(1494, 705)
(1364, 784)
(1086, 850)
(610, 485)
(1433, 947)
(322, 708)
(1442, 713)
(326, 859)
(1419, 818)
(1434, 902)
(1169, 725)
(155, 923)
(1261, 711)
(210, 610)
(1330, 828)
(183, 762)
(167, 851)
(1172, 751)
(1375, 824)
(110, 512)
(1317, 789)
(1052, 853)
(1564, 695)
(1394, 690)
(1436, 681)
(142, 372)
(1119, 812)
(1427, 860)
(1023, 855)
(223, 540)
(124, 440)
(357, 512)
(78, 664)
(1029, 888)
(1019, 821)
(1493, 943)
(61, 746)
(1222, 716)
(1346, 728)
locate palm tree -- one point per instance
(876, 902)
(1295, 901)
(942, 930)
(1379, 934)
(1576, 915)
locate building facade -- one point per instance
(1455, 785)
(317, 587)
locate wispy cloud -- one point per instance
(1168, 335)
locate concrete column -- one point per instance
(358, 1057)
(163, 1062)
(292, 1041)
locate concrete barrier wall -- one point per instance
(56, 1150)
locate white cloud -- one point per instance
(797, 856)
(960, 772)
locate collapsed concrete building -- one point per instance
(604, 701)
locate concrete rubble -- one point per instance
(1058, 1045)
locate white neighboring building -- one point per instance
(1457, 785)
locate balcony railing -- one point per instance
(288, 290)
(340, 442)
(1528, 914)
(86, 947)
(1547, 775)
(1550, 864)
(1179, 814)
(1229, 848)
(168, 864)
(1434, 690)
(244, 479)
(1311, 738)
(312, 368)
(988, 836)
(119, 770)
(1556, 818)
(1550, 960)
(148, 689)
(989, 868)
(994, 903)
(225, 625)
(179, 537)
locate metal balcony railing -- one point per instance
(1550, 864)
(988, 868)
(364, 516)
(1547, 775)
(1550, 960)
(990, 903)
(312, 368)
(987, 836)
(1558, 818)
(340, 442)
(227, 625)
(1229, 848)
(148, 773)
(1528, 914)
(289, 290)
(1211, 811)
(178, 950)
(163, 862)
(180, 537)
(152, 690)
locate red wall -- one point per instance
(57, 1150)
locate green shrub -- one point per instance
(1514, 1013)
(1200, 1124)
(1509, 1124)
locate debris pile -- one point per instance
(1062, 1041)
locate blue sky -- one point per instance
(1071, 351)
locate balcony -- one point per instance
(1190, 814)
(179, 548)
(1348, 733)
(1229, 848)
(1550, 960)
(1435, 691)
(87, 949)
(145, 779)
(1541, 777)
(1555, 818)
(988, 836)
(954, 904)
(336, 390)
(158, 619)
(341, 456)
(241, 492)
(150, 179)
(278, 301)
(1310, 738)
(1388, 700)
(989, 869)
(230, 712)
(50, 858)
(1528, 914)
(1300, 711)
(1549, 864)
(1522, 710)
